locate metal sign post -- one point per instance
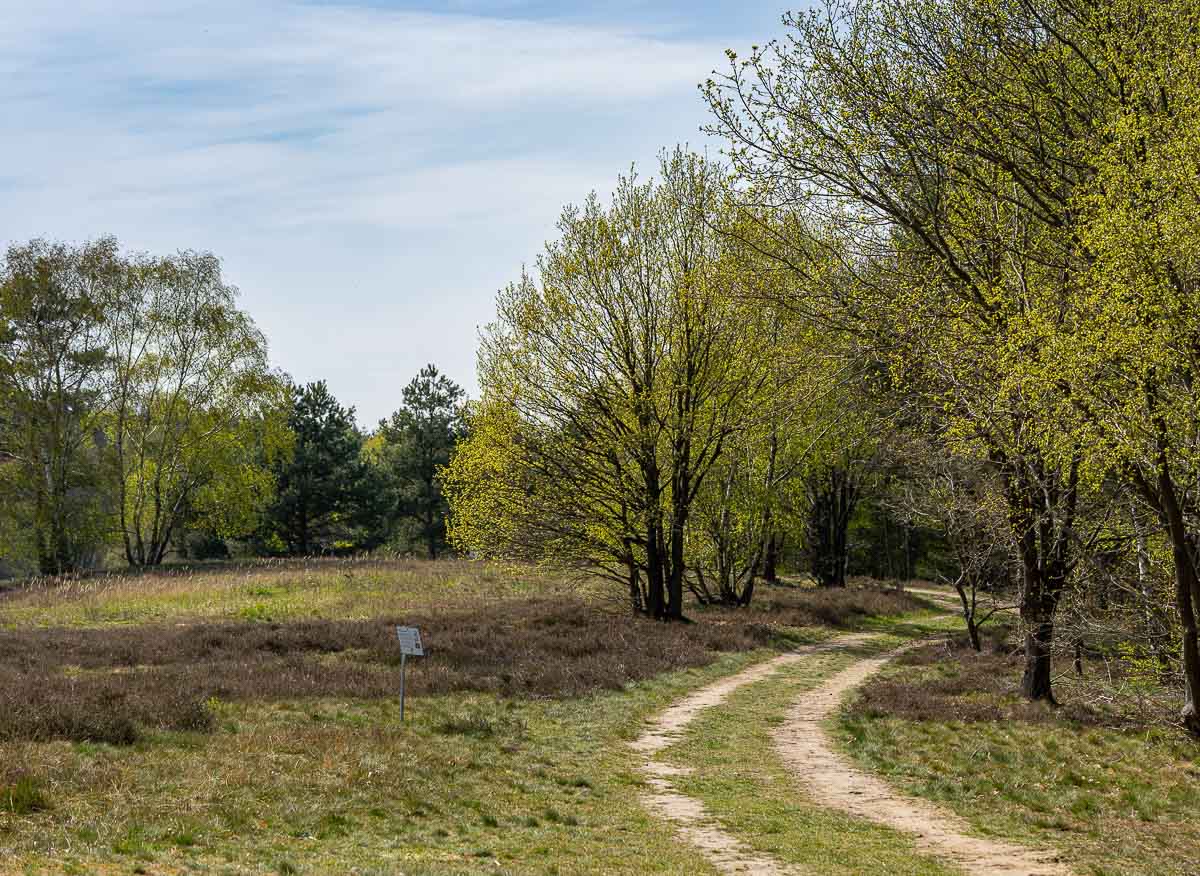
(410, 644)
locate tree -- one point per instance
(54, 389)
(612, 380)
(834, 490)
(936, 137)
(195, 406)
(1127, 355)
(419, 439)
(322, 487)
(963, 498)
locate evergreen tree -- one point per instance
(322, 490)
(419, 438)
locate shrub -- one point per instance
(110, 684)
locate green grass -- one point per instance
(1118, 802)
(737, 774)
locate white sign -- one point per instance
(410, 641)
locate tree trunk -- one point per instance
(833, 503)
(1035, 684)
(1039, 603)
(431, 535)
(771, 560)
(747, 592)
(1187, 593)
(303, 533)
(654, 571)
(675, 582)
(967, 594)
(635, 590)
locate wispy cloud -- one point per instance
(414, 159)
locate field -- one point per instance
(245, 720)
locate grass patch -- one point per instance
(22, 794)
(1107, 784)
(277, 590)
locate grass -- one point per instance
(736, 773)
(1114, 788)
(273, 590)
(164, 723)
(469, 783)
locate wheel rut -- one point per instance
(693, 822)
(832, 781)
(823, 774)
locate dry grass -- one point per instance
(951, 682)
(274, 590)
(108, 684)
(111, 683)
(842, 608)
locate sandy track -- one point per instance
(693, 823)
(830, 780)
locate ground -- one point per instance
(1106, 776)
(244, 720)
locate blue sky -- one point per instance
(370, 173)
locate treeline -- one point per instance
(140, 420)
(949, 270)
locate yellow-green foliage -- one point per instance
(612, 378)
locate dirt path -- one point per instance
(693, 823)
(832, 781)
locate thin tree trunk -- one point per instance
(771, 559)
(654, 570)
(1187, 595)
(675, 582)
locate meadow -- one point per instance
(245, 719)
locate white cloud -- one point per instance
(370, 176)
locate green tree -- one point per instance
(936, 138)
(324, 485)
(1127, 353)
(419, 439)
(54, 389)
(612, 380)
(195, 411)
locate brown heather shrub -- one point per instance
(836, 607)
(111, 683)
(947, 681)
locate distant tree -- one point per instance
(321, 489)
(53, 391)
(419, 439)
(193, 402)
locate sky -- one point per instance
(369, 173)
